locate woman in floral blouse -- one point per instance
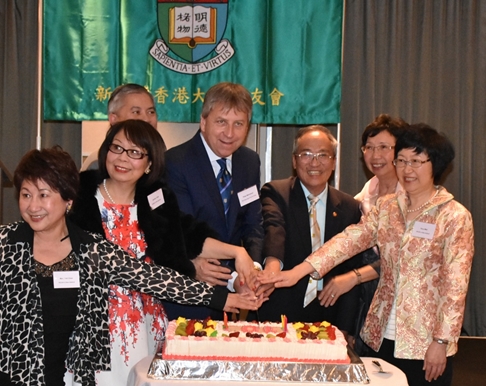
(55, 277)
(426, 243)
(377, 144)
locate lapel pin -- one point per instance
(334, 214)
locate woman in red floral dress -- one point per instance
(127, 202)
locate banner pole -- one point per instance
(337, 174)
(40, 24)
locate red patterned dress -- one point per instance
(137, 321)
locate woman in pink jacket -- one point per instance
(426, 243)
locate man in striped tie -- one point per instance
(217, 179)
(300, 213)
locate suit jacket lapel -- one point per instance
(299, 215)
(332, 211)
(238, 182)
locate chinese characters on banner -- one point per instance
(286, 53)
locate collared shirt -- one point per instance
(369, 194)
(213, 158)
(320, 207)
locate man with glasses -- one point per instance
(294, 227)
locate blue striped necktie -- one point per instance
(224, 184)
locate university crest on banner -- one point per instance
(192, 30)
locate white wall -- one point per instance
(93, 134)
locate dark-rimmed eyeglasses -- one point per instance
(378, 148)
(414, 163)
(132, 153)
(307, 156)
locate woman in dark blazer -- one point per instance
(126, 201)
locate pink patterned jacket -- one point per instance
(429, 277)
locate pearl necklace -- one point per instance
(424, 204)
(109, 195)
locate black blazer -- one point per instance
(173, 238)
(287, 237)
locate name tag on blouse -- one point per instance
(66, 279)
(423, 230)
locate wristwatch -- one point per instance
(315, 275)
(440, 341)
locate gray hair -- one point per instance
(118, 95)
(308, 129)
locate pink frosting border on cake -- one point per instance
(254, 359)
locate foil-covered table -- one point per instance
(354, 372)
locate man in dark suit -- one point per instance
(289, 232)
(194, 168)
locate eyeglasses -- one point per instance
(379, 148)
(307, 156)
(415, 163)
(132, 153)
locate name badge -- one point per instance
(248, 195)
(423, 230)
(66, 279)
(156, 199)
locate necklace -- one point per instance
(424, 204)
(109, 195)
(107, 192)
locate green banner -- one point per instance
(287, 53)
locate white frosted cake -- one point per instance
(243, 341)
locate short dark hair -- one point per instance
(424, 139)
(54, 166)
(321, 128)
(116, 99)
(384, 122)
(144, 135)
(231, 96)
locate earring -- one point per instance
(147, 171)
(68, 208)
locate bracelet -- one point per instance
(440, 341)
(358, 275)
